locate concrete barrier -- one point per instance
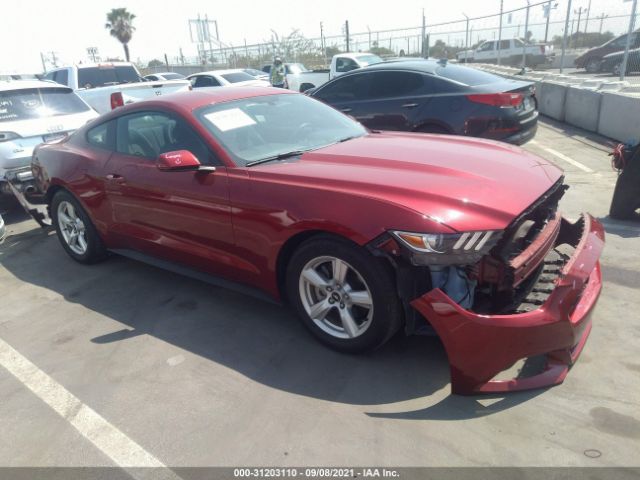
(619, 114)
(551, 99)
(582, 106)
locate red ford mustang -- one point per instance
(363, 233)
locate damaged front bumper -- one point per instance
(479, 347)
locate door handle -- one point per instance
(115, 178)
(345, 110)
(409, 105)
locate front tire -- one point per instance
(75, 230)
(593, 66)
(343, 295)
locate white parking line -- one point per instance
(562, 156)
(123, 451)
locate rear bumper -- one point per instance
(524, 135)
(481, 346)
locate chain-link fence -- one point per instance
(542, 34)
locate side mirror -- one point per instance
(180, 161)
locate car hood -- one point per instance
(463, 183)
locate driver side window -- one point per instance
(204, 81)
(149, 134)
(486, 47)
(345, 65)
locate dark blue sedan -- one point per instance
(434, 96)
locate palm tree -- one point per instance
(120, 25)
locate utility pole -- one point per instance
(346, 31)
(564, 37)
(166, 61)
(602, 17)
(44, 64)
(181, 56)
(500, 31)
(547, 13)
(424, 51)
(369, 30)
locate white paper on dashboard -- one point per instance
(230, 119)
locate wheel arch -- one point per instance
(290, 246)
(435, 123)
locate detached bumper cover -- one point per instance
(35, 205)
(481, 346)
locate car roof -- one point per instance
(219, 72)
(191, 100)
(417, 65)
(24, 84)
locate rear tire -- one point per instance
(75, 230)
(343, 295)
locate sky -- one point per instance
(68, 28)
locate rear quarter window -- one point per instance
(102, 135)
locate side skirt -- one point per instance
(196, 274)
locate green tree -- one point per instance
(155, 63)
(120, 25)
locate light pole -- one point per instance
(524, 45)
(623, 68)
(580, 11)
(500, 31)
(586, 23)
(466, 40)
(564, 37)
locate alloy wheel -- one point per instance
(336, 297)
(72, 228)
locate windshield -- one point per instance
(31, 103)
(102, 75)
(365, 60)
(173, 76)
(467, 76)
(237, 77)
(256, 128)
(254, 73)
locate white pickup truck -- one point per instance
(510, 53)
(301, 79)
(105, 86)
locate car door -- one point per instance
(346, 93)
(392, 100)
(181, 216)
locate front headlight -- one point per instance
(448, 248)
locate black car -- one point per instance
(434, 96)
(612, 63)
